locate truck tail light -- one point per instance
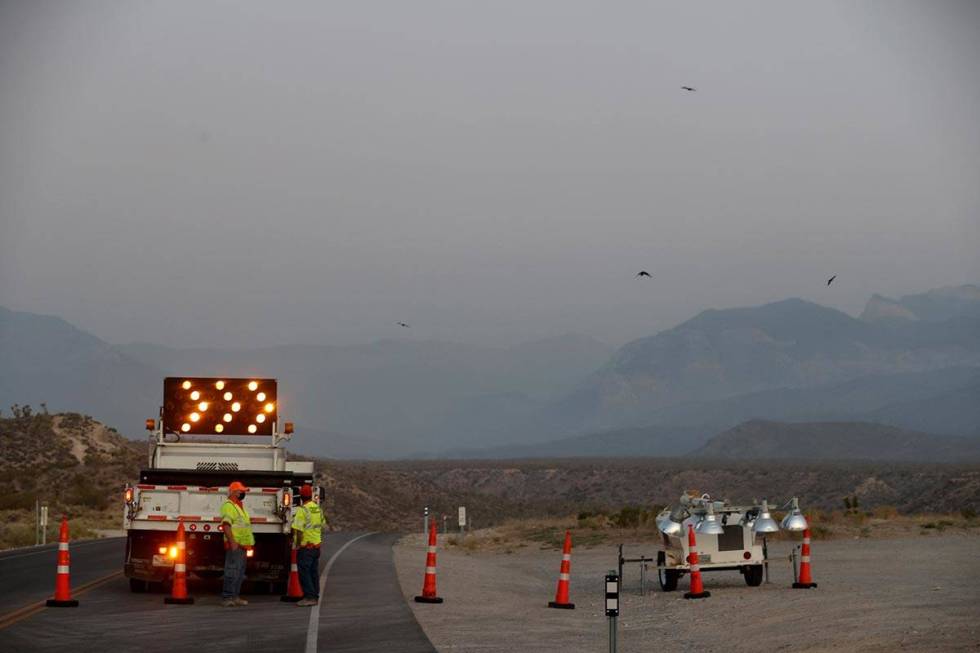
(287, 499)
(249, 553)
(128, 495)
(163, 550)
(173, 552)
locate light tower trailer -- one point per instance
(211, 432)
(737, 547)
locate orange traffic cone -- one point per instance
(62, 583)
(294, 592)
(805, 582)
(561, 594)
(178, 593)
(429, 586)
(697, 588)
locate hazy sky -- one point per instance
(253, 172)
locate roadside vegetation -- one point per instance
(78, 467)
(71, 463)
(632, 525)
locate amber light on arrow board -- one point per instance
(210, 405)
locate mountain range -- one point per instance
(912, 363)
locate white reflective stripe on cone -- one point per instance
(806, 540)
(430, 570)
(181, 545)
(62, 546)
(293, 568)
(805, 558)
(178, 568)
(695, 568)
(566, 556)
(432, 549)
(564, 577)
(63, 569)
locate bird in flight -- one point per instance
(689, 89)
(402, 324)
(644, 273)
(831, 279)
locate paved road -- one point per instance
(361, 608)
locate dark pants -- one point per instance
(307, 563)
(234, 573)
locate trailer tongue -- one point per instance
(213, 431)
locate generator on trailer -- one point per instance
(729, 537)
(210, 432)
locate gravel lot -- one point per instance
(916, 593)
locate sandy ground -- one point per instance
(915, 593)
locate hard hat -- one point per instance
(237, 486)
(306, 491)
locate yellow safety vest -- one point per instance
(241, 523)
(309, 520)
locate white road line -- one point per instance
(54, 549)
(314, 628)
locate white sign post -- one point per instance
(44, 524)
(462, 518)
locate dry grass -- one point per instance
(595, 530)
(17, 526)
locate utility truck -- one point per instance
(210, 432)
(728, 537)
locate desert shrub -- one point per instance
(16, 534)
(886, 512)
(632, 517)
(83, 492)
(17, 501)
(595, 522)
(628, 517)
(968, 513)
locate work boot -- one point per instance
(240, 601)
(305, 603)
(229, 603)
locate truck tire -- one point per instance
(668, 577)
(137, 586)
(753, 575)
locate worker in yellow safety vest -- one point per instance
(237, 527)
(308, 524)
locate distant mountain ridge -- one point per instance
(790, 360)
(933, 306)
(763, 439)
(790, 344)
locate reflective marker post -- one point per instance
(425, 520)
(44, 524)
(612, 606)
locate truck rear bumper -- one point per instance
(205, 558)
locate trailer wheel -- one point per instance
(753, 575)
(668, 577)
(137, 586)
